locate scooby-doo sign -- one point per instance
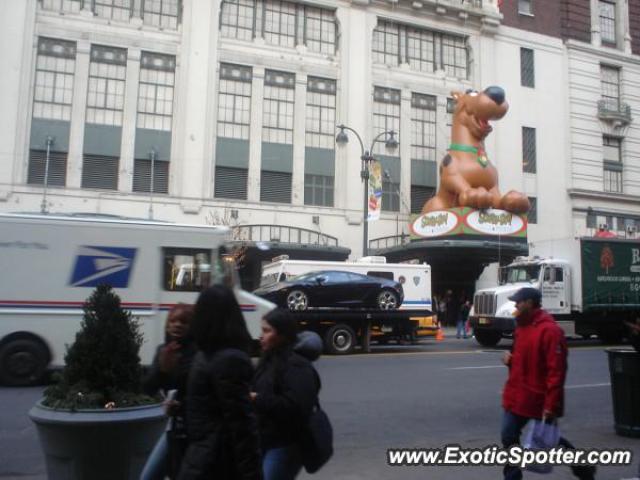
(468, 199)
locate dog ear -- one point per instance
(457, 95)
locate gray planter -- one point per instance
(97, 444)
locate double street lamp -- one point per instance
(366, 157)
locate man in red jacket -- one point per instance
(537, 371)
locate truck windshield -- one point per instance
(269, 279)
(521, 273)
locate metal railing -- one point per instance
(281, 234)
(614, 110)
(389, 242)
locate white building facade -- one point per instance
(203, 111)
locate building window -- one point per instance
(423, 127)
(592, 219)
(423, 49)
(320, 30)
(237, 19)
(161, 13)
(55, 67)
(386, 115)
(100, 172)
(279, 97)
(612, 164)
(318, 190)
(386, 43)
(419, 196)
(607, 15)
(275, 187)
(57, 170)
(113, 9)
(610, 84)
(528, 150)
(286, 24)
(532, 215)
(105, 97)
(155, 95)
(234, 101)
(390, 195)
(145, 170)
(231, 183)
(72, 6)
(280, 23)
(525, 7)
(321, 113)
(527, 70)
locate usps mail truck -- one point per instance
(52, 263)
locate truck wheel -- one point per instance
(22, 362)
(387, 300)
(297, 300)
(339, 340)
(487, 338)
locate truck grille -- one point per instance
(484, 304)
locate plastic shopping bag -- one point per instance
(541, 436)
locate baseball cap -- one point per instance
(526, 293)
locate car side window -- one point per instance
(337, 277)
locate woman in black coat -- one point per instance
(285, 391)
(169, 372)
(222, 428)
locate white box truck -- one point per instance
(51, 264)
(590, 285)
(342, 329)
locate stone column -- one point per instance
(129, 119)
(299, 133)
(354, 105)
(195, 102)
(255, 135)
(78, 114)
(405, 152)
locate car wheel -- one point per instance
(339, 339)
(387, 300)
(297, 300)
(22, 362)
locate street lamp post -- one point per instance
(366, 157)
(152, 157)
(43, 205)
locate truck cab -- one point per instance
(492, 314)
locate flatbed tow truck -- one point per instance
(342, 329)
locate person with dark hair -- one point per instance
(286, 390)
(221, 423)
(537, 372)
(169, 372)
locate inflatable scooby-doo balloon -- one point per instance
(467, 177)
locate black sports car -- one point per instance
(329, 288)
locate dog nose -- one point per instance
(496, 94)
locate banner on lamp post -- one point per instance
(375, 190)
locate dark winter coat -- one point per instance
(538, 368)
(287, 388)
(222, 426)
(156, 380)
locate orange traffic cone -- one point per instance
(439, 335)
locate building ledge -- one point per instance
(596, 195)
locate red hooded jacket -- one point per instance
(538, 367)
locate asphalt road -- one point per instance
(423, 396)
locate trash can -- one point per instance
(624, 367)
